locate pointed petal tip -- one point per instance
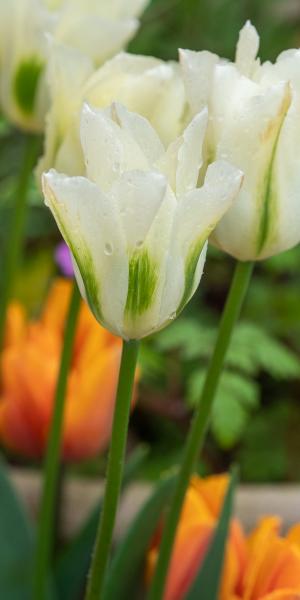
(87, 110)
(247, 48)
(226, 176)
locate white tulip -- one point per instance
(144, 84)
(135, 223)
(95, 29)
(254, 124)
(23, 56)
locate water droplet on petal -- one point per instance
(108, 249)
(172, 316)
(139, 243)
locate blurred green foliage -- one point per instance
(214, 25)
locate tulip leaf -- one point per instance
(72, 564)
(131, 551)
(207, 583)
(16, 544)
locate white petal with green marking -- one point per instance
(197, 215)
(89, 222)
(253, 132)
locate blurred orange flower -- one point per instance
(30, 364)
(262, 566)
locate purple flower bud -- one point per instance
(63, 259)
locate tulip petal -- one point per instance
(183, 159)
(198, 214)
(144, 84)
(247, 49)
(114, 9)
(190, 156)
(82, 31)
(197, 71)
(67, 71)
(120, 9)
(286, 594)
(252, 129)
(286, 172)
(138, 196)
(157, 245)
(88, 221)
(147, 264)
(108, 150)
(141, 131)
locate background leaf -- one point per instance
(16, 544)
(72, 565)
(131, 552)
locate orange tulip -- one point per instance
(199, 516)
(273, 566)
(30, 364)
(263, 566)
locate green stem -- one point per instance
(45, 534)
(200, 422)
(16, 228)
(114, 470)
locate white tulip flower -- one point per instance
(136, 223)
(95, 29)
(143, 84)
(254, 123)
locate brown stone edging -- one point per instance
(80, 495)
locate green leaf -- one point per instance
(270, 444)
(236, 397)
(207, 583)
(265, 351)
(16, 544)
(187, 335)
(133, 547)
(151, 362)
(235, 400)
(72, 565)
(229, 419)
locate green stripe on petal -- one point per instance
(268, 218)
(26, 82)
(142, 283)
(191, 263)
(269, 204)
(84, 262)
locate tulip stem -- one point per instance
(46, 525)
(114, 470)
(15, 236)
(200, 422)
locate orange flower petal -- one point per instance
(283, 595)
(273, 564)
(30, 366)
(213, 490)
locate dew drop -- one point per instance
(108, 249)
(139, 243)
(172, 316)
